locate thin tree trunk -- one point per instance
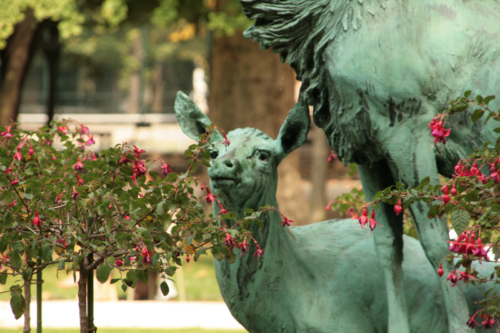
(52, 50)
(320, 151)
(82, 296)
(252, 88)
(158, 84)
(27, 297)
(134, 101)
(15, 69)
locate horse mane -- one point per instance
(300, 30)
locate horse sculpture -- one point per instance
(376, 72)
(320, 278)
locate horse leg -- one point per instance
(411, 160)
(388, 244)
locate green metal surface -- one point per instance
(376, 72)
(323, 277)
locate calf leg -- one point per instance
(388, 245)
(412, 161)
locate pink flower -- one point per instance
(8, 170)
(84, 129)
(364, 217)
(17, 155)
(124, 159)
(13, 203)
(146, 255)
(209, 197)
(80, 181)
(36, 221)
(487, 322)
(259, 253)
(243, 246)
(31, 151)
(138, 152)
(6, 134)
(75, 194)
(90, 141)
(465, 277)
(132, 259)
(14, 182)
(286, 222)
(373, 222)
(332, 157)
(453, 190)
(438, 132)
(58, 200)
(188, 259)
(78, 165)
(63, 129)
(229, 241)
(165, 169)
(472, 321)
(453, 278)
(222, 210)
(139, 169)
(397, 208)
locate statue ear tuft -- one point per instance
(193, 122)
(294, 131)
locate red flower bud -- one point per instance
(453, 190)
(36, 221)
(440, 270)
(31, 151)
(187, 258)
(397, 208)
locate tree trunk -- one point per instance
(82, 297)
(134, 98)
(18, 54)
(52, 49)
(27, 297)
(252, 88)
(158, 86)
(320, 151)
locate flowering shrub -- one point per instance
(470, 202)
(64, 205)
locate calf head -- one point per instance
(244, 174)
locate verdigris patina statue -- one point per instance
(376, 72)
(321, 278)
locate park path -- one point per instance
(129, 314)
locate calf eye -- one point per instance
(263, 156)
(214, 154)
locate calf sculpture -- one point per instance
(320, 278)
(376, 72)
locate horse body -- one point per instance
(376, 72)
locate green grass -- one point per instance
(199, 281)
(124, 330)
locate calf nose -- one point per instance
(230, 164)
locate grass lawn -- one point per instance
(124, 330)
(199, 281)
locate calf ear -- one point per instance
(293, 133)
(193, 122)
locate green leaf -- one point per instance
(189, 239)
(216, 253)
(3, 278)
(164, 288)
(143, 276)
(426, 181)
(102, 272)
(459, 220)
(132, 277)
(171, 270)
(199, 252)
(61, 265)
(17, 303)
(467, 93)
(414, 193)
(433, 211)
(477, 115)
(124, 287)
(15, 260)
(47, 253)
(113, 281)
(497, 146)
(488, 99)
